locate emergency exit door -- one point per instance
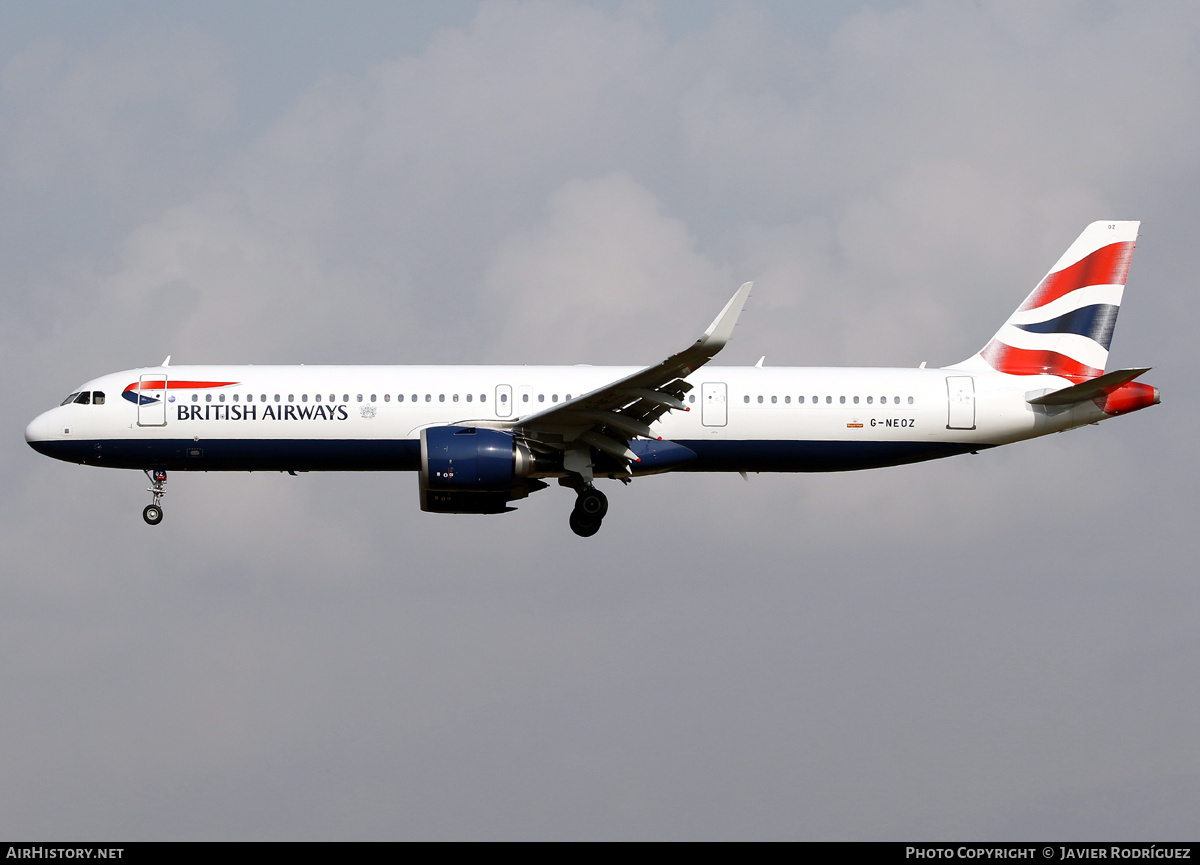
(960, 391)
(152, 400)
(714, 406)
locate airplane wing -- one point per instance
(609, 417)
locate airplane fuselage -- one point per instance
(346, 418)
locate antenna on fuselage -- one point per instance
(166, 362)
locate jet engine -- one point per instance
(474, 470)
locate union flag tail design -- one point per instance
(1065, 325)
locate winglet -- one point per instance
(721, 329)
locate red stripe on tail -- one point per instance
(1024, 361)
(1108, 265)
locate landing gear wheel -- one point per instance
(592, 504)
(152, 513)
(584, 526)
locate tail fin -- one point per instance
(1065, 326)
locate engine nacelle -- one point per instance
(473, 470)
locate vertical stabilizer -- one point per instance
(1065, 325)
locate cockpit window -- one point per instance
(70, 399)
(97, 397)
(84, 398)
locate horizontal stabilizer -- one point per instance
(1089, 389)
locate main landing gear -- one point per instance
(590, 508)
(153, 513)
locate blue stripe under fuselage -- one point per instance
(405, 454)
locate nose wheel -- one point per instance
(590, 508)
(153, 512)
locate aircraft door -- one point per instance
(152, 400)
(960, 390)
(503, 400)
(714, 404)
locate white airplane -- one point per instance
(481, 437)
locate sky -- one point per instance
(1000, 646)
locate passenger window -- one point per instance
(454, 398)
(800, 400)
(317, 397)
(691, 397)
(372, 397)
(98, 398)
(828, 400)
(387, 397)
(760, 398)
(221, 398)
(567, 397)
(896, 400)
(553, 397)
(910, 400)
(236, 397)
(84, 398)
(483, 398)
(291, 397)
(870, 400)
(195, 397)
(208, 397)
(303, 397)
(788, 400)
(70, 399)
(358, 397)
(441, 397)
(774, 400)
(541, 397)
(503, 397)
(345, 397)
(428, 397)
(856, 400)
(842, 400)
(524, 397)
(746, 398)
(470, 397)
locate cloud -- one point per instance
(603, 270)
(122, 119)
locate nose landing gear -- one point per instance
(153, 513)
(590, 508)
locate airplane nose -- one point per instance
(36, 431)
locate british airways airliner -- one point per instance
(481, 437)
